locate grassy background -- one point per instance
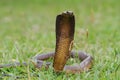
(27, 27)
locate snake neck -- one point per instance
(65, 23)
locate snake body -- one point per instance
(65, 27)
(65, 23)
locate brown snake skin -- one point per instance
(65, 27)
(65, 24)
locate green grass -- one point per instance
(27, 27)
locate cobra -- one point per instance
(65, 28)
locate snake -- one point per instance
(65, 28)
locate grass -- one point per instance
(27, 27)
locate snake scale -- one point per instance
(65, 28)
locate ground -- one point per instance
(27, 28)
